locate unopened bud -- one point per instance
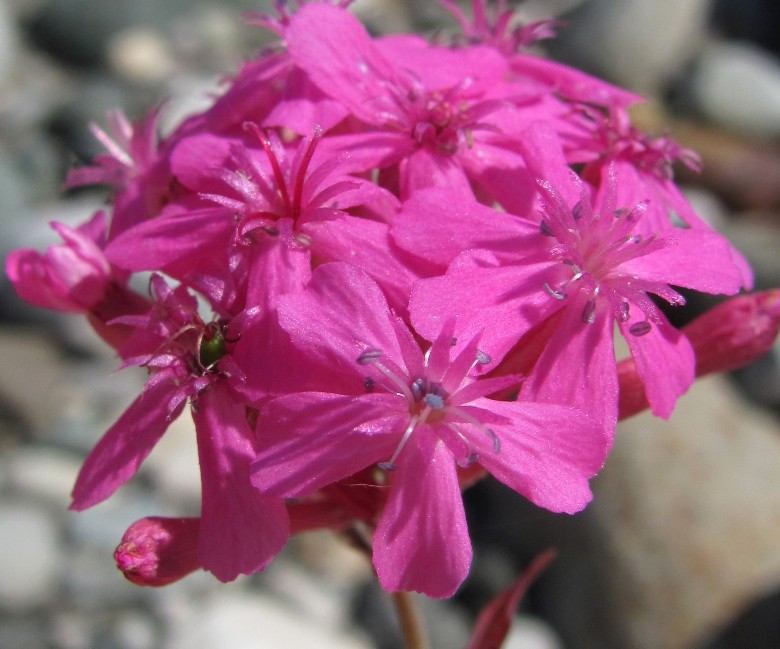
(733, 334)
(157, 551)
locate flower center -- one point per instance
(428, 403)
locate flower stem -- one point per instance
(411, 625)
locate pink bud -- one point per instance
(736, 332)
(157, 551)
(72, 276)
(731, 335)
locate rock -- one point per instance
(35, 386)
(528, 632)
(737, 86)
(9, 44)
(690, 507)
(30, 555)
(42, 472)
(141, 55)
(637, 44)
(758, 236)
(173, 465)
(229, 618)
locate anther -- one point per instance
(418, 389)
(589, 312)
(483, 358)
(640, 328)
(544, 228)
(369, 356)
(369, 384)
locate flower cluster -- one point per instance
(375, 276)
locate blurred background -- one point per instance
(680, 548)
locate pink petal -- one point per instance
(309, 440)
(341, 314)
(423, 169)
(241, 530)
(275, 269)
(174, 238)
(125, 445)
(437, 225)
(548, 452)
(577, 366)
(698, 259)
(544, 157)
(422, 541)
(366, 244)
(665, 361)
(339, 56)
(499, 303)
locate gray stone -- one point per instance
(230, 618)
(637, 44)
(30, 555)
(173, 465)
(9, 44)
(44, 473)
(737, 86)
(528, 632)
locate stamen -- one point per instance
(418, 389)
(640, 328)
(390, 465)
(470, 456)
(275, 166)
(369, 357)
(558, 295)
(544, 228)
(457, 412)
(369, 384)
(483, 358)
(589, 311)
(301, 176)
(303, 239)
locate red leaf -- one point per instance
(495, 619)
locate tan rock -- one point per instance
(692, 508)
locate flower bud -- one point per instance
(157, 551)
(733, 334)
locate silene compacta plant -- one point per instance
(415, 256)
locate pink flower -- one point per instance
(74, 276)
(240, 530)
(428, 113)
(418, 416)
(643, 167)
(598, 270)
(498, 29)
(131, 151)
